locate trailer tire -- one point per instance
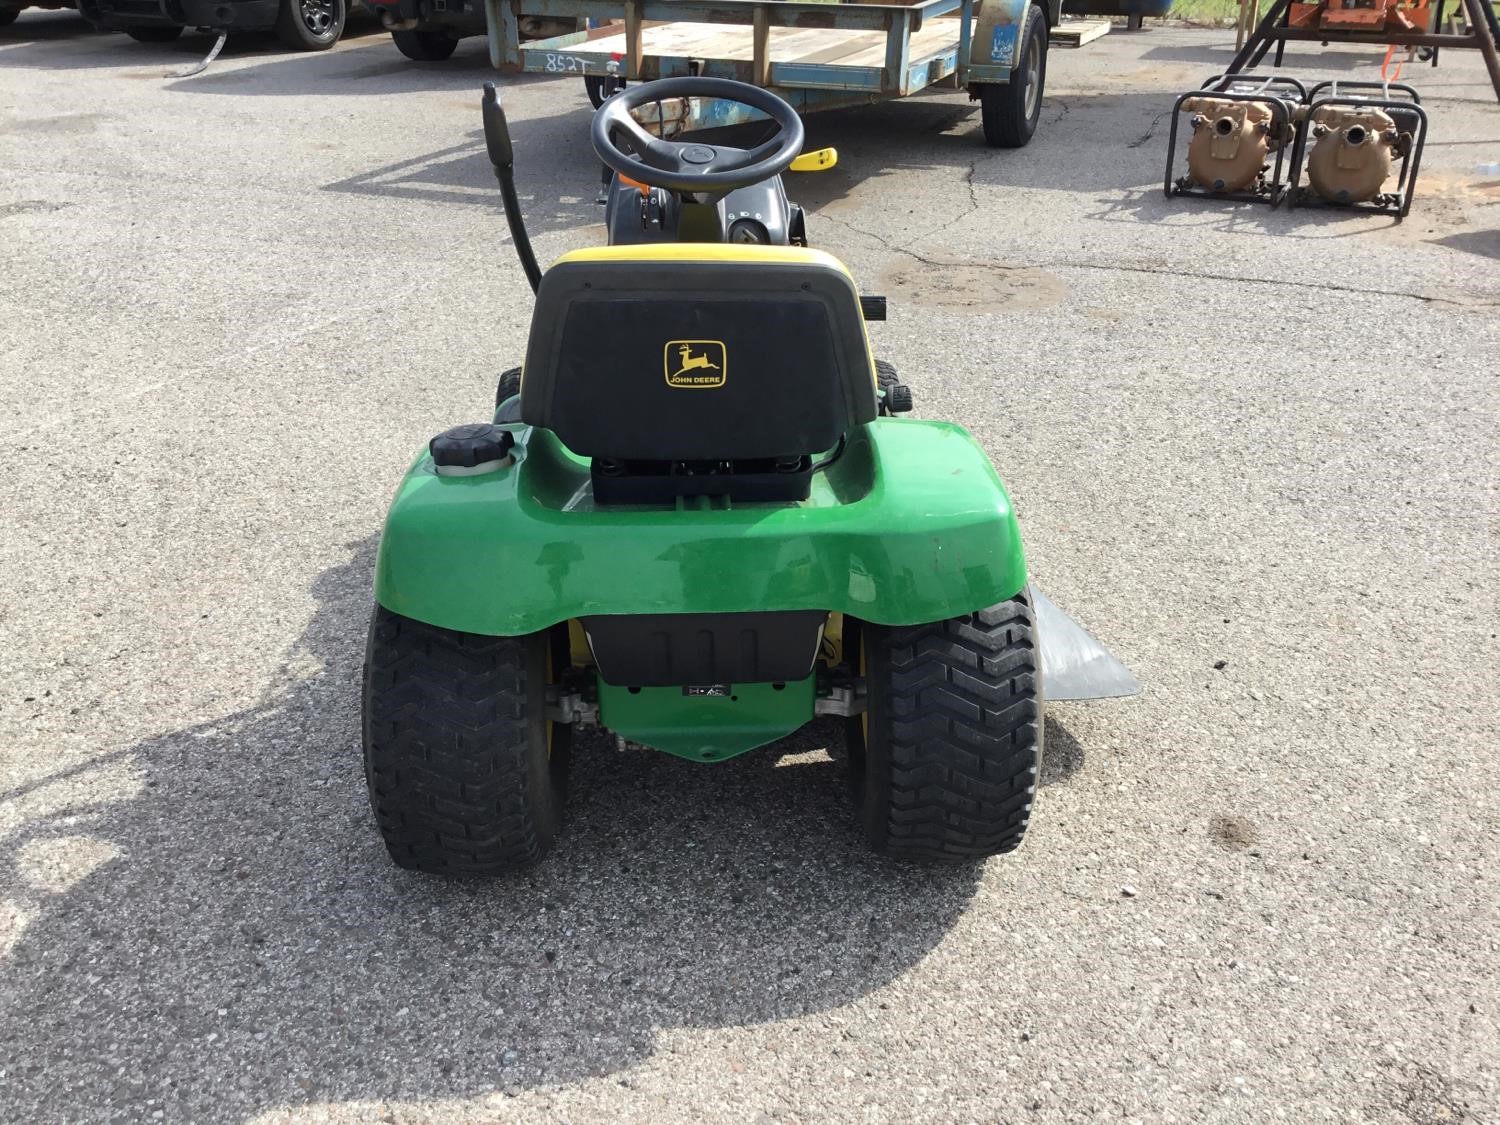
(1010, 111)
(311, 25)
(599, 87)
(946, 757)
(153, 34)
(424, 46)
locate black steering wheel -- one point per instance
(689, 166)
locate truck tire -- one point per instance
(425, 46)
(1010, 111)
(945, 759)
(466, 773)
(311, 25)
(151, 34)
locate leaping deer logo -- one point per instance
(695, 356)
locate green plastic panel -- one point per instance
(706, 728)
(909, 525)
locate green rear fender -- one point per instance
(911, 524)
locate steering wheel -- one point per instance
(690, 166)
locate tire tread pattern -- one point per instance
(449, 756)
(961, 746)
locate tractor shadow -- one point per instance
(242, 942)
(558, 195)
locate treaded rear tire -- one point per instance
(508, 395)
(948, 770)
(456, 747)
(895, 396)
(509, 385)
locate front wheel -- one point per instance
(425, 46)
(154, 34)
(946, 756)
(311, 25)
(466, 772)
(1010, 111)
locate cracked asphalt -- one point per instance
(1254, 451)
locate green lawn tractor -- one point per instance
(698, 521)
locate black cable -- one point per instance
(838, 451)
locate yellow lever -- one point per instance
(819, 161)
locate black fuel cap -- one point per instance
(476, 447)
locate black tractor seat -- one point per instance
(698, 370)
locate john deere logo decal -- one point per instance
(694, 363)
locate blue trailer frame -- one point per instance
(806, 84)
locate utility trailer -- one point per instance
(814, 55)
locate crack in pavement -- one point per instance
(1322, 287)
(1150, 130)
(1426, 298)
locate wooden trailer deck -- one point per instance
(813, 54)
(792, 47)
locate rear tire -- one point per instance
(509, 385)
(311, 25)
(466, 773)
(154, 34)
(1010, 111)
(895, 395)
(425, 46)
(508, 396)
(946, 758)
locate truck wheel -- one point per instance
(466, 773)
(945, 758)
(425, 46)
(310, 25)
(154, 34)
(1010, 111)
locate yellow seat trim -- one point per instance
(708, 252)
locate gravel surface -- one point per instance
(1255, 452)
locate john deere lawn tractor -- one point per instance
(698, 521)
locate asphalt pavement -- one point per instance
(1255, 452)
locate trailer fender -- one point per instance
(997, 33)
